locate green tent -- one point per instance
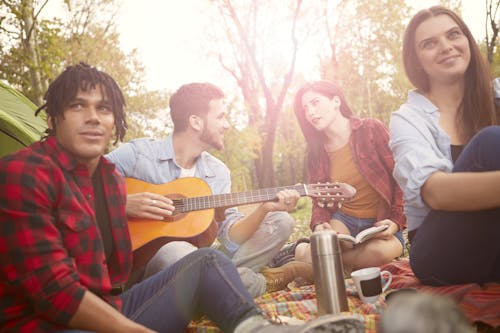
(18, 125)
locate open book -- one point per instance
(363, 235)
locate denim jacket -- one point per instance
(420, 148)
(153, 161)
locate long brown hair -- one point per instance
(477, 108)
(315, 138)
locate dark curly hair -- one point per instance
(83, 77)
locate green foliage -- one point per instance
(368, 56)
(495, 66)
(242, 145)
(16, 61)
(302, 217)
(363, 55)
(289, 152)
(148, 115)
(88, 35)
(239, 154)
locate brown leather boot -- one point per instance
(279, 277)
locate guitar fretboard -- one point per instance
(233, 199)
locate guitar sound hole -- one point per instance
(179, 208)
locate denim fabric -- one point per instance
(204, 282)
(259, 249)
(356, 225)
(462, 247)
(154, 161)
(420, 147)
(250, 257)
(167, 255)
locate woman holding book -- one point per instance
(447, 153)
(344, 148)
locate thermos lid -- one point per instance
(324, 242)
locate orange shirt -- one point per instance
(343, 169)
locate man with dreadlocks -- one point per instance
(65, 250)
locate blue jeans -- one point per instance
(462, 247)
(204, 282)
(249, 258)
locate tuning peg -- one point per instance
(339, 203)
(321, 202)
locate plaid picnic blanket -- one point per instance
(300, 303)
(480, 303)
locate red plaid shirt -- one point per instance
(51, 250)
(369, 143)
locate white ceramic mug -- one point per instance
(369, 284)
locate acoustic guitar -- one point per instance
(193, 218)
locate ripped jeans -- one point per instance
(249, 258)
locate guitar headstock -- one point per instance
(327, 194)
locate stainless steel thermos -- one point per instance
(328, 272)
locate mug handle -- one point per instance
(387, 281)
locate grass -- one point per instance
(301, 214)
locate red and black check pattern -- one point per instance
(51, 250)
(370, 145)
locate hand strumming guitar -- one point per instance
(146, 205)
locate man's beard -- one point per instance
(208, 138)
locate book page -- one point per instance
(346, 238)
(363, 235)
(369, 233)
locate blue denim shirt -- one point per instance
(153, 161)
(420, 148)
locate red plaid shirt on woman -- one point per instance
(369, 143)
(51, 249)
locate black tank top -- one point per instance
(101, 213)
(455, 151)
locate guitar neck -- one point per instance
(233, 199)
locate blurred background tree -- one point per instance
(241, 37)
(257, 47)
(35, 50)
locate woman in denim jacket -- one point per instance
(447, 154)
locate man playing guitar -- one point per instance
(199, 117)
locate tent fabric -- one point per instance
(18, 125)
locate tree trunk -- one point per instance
(255, 72)
(266, 172)
(491, 41)
(29, 44)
